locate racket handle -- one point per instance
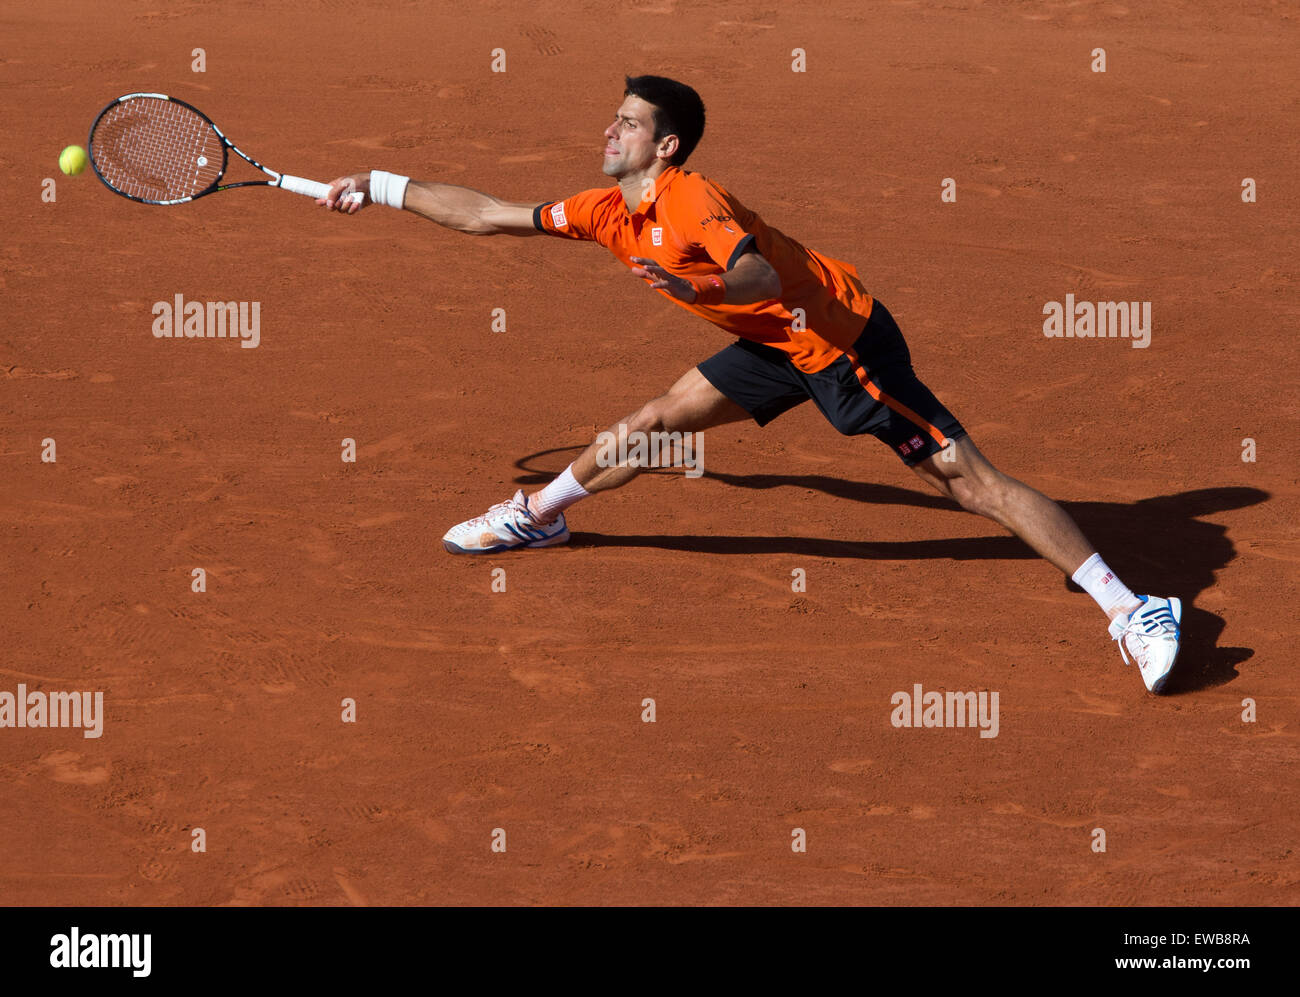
(312, 188)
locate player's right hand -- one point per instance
(337, 199)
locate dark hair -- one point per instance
(678, 111)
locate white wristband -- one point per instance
(388, 188)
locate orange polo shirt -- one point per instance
(692, 228)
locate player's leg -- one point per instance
(612, 459)
(964, 475)
(689, 406)
(903, 413)
(899, 410)
(1147, 627)
(743, 381)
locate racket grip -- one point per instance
(312, 188)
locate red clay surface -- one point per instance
(521, 710)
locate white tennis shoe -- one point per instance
(1150, 634)
(505, 526)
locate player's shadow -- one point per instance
(1158, 545)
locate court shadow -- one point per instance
(1160, 545)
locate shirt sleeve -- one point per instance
(581, 216)
(716, 222)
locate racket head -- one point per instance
(156, 149)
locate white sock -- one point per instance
(557, 496)
(1095, 578)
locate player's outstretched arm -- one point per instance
(468, 210)
(459, 208)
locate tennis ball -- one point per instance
(72, 160)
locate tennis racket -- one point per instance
(156, 149)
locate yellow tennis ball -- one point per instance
(72, 160)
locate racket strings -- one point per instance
(156, 150)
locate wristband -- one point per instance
(388, 188)
(708, 290)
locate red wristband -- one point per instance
(708, 290)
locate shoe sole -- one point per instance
(451, 548)
(1175, 607)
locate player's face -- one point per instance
(630, 144)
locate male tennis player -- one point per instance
(806, 328)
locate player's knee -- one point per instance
(651, 417)
(983, 495)
(671, 413)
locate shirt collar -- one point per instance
(662, 183)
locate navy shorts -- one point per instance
(871, 389)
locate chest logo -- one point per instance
(657, 235)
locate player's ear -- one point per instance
(668, 146)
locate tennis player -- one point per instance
(806, 329)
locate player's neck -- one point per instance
(639, 186)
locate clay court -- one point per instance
(522, 709)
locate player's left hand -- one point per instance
(661, 279)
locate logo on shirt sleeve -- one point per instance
(657, 235)
(557, 215)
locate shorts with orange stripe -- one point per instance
(870, 389)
